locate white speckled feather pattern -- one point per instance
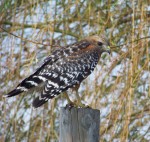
(64, 68)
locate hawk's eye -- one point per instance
(100, 43)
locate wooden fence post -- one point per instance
(79, 125)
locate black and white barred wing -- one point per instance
(64, 74)
(35, 79)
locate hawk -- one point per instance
(65, 68)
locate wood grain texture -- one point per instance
(79, 125)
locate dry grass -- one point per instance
(119, 86)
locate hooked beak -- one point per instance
(106, 48)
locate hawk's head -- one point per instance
(100, 41)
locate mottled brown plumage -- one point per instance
(65, 68)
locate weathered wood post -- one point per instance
(79, 125)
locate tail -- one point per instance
(26, 84)
(14, 93)
(38, 102)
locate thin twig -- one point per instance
(24, 39)
(35, 42)
(131, 41)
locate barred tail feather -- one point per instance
(26, 84)
(39, 102)
(13, 93)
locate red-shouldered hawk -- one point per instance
(65, 68)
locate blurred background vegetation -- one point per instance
(119, 86)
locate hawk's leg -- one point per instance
(70, 103)
(68, 99)
(78, 103)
